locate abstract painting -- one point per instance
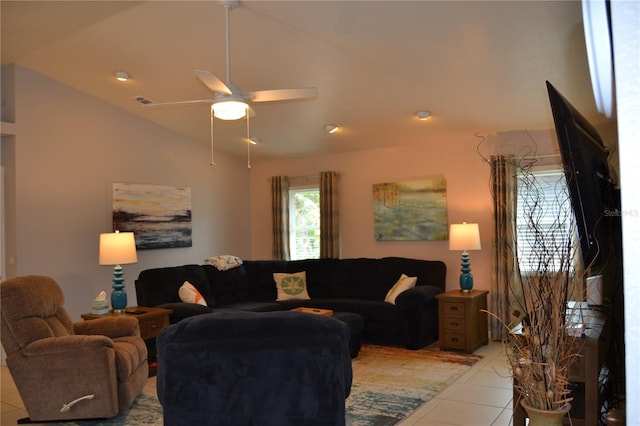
(158, 215)
(410, 210)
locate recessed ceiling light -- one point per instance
(121, 75)
(423, 115)
(331, 128)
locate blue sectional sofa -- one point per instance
(346, 285)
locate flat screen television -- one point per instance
(592, 192)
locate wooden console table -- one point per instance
(585, 372)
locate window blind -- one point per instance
(544, 221)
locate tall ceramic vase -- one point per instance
(539, 417)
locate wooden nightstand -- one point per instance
(151, 320)
(461, 325)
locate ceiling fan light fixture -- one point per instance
(331, 128)
(229, 110)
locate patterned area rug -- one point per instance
(391, 383)
(388, 385)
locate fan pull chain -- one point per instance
(248, 142)
(227, 10)
(213, 163)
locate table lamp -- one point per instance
(118, 248)
(465, 236)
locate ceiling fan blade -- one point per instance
(212, 82)
(178, 103)
(282, 94)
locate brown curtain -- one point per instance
(329, 216)
(280, 217)
(506, 286)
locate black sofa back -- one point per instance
(361, 278)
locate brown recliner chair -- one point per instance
(65, 370)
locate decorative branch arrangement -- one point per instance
(539, 347)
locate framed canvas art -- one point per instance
(158, 215)
(410, 210)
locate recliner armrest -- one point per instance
(117, 326)
(65, 344)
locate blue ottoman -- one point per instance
(356, 325)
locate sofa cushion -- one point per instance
(291, 286)
(356, 279)
(160, 285)
(250, 306)
(181, 310)
(260, 277)
(319, 272)
(229, 286)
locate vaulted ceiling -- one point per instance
(477, 66)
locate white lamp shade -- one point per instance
(117, 248)
(464, 236)
(229, 110)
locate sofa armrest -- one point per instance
(418, 315)
(117, 326)
(182, 310)
(418, 295)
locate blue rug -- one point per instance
(389, 384)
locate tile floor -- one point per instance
(481, 397)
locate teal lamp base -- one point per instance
(118, 295)
(466, 279)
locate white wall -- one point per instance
(68, 150)
(626, 48)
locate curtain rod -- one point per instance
(316, 176)
(537, 156)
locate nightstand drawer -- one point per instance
(149, 328)
(455, 340)
(454, 324)
(453, 308)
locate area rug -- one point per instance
(391, 383)
(388, 385)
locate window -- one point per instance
(304, 222)
(544, 220)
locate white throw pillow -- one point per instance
(403, 284)
(189, 294)
(291, 286)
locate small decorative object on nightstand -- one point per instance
(461, 324)
(465, 236)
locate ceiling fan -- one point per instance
(229, 102)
